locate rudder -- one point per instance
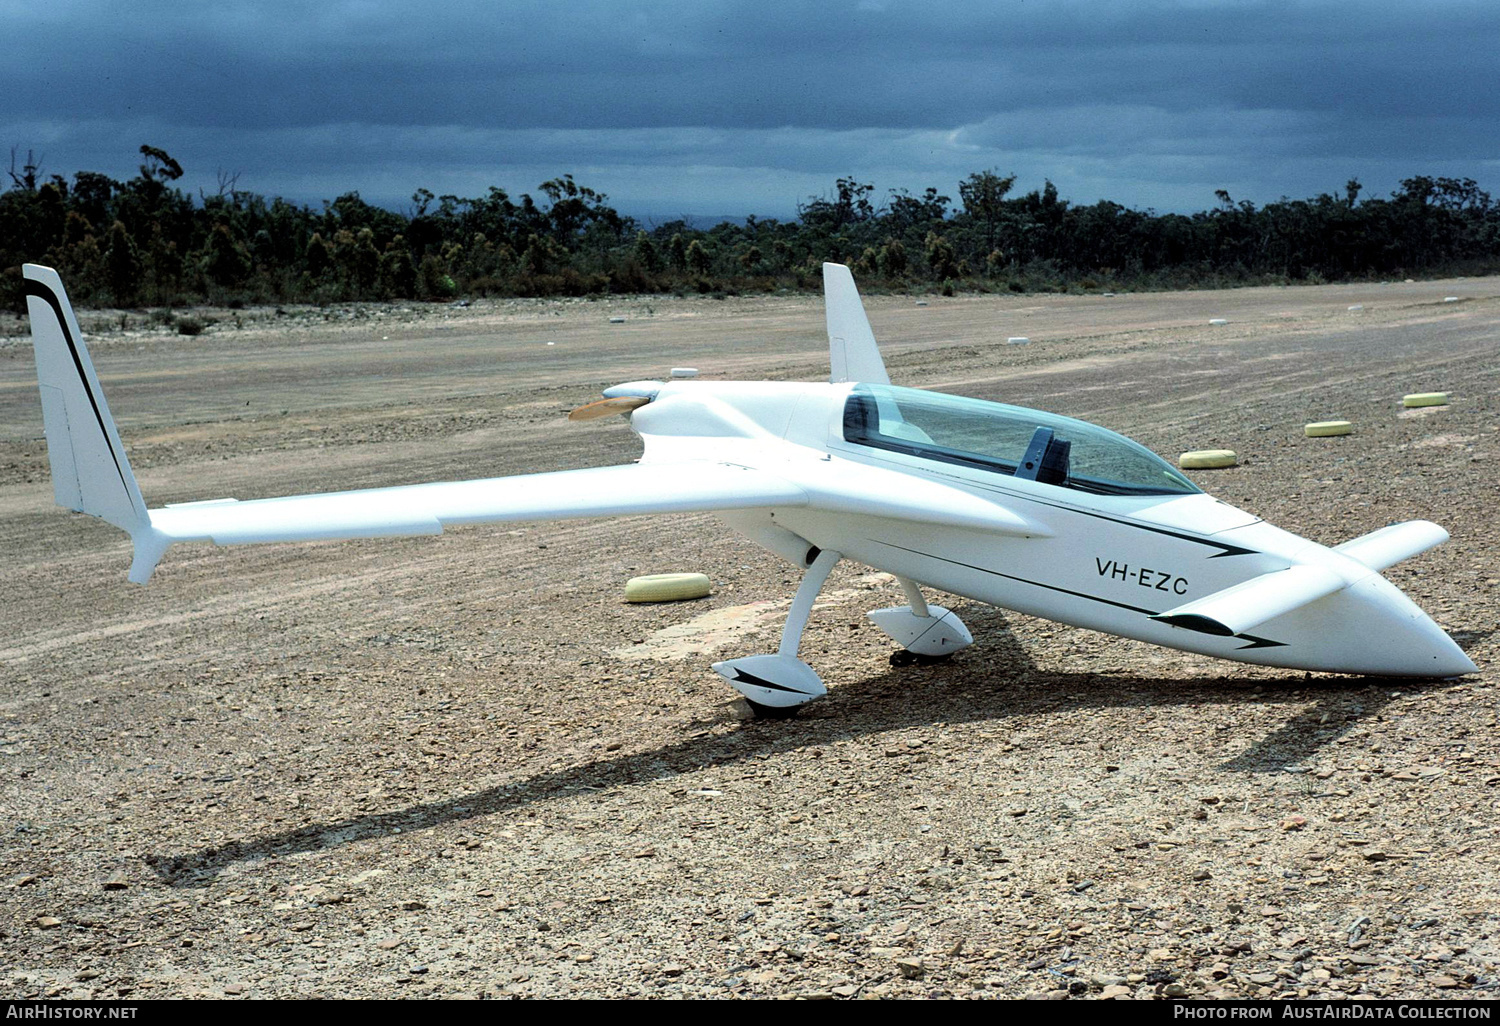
(90, 473)
(852, 352)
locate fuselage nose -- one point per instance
(1399, 636)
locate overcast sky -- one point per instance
(699, 107)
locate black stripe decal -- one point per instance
(750, 678)
(1228, 550)
(40, 291)
(1022, 580)
(1255, 642)
(1259, 642)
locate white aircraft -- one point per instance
(1018, 508)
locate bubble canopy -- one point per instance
(1010, 440)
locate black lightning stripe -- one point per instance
(1259, 642)
(42, 292)
(750, 678)
(1228, 550)
(1255, 642)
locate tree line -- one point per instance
(145, 242)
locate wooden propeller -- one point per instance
(604, 407)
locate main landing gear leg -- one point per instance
(925, 632)
(775, 685)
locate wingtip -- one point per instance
(149, 545)
(852, 352)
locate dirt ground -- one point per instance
(461, 766)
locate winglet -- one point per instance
(851, 344)
(89, 470)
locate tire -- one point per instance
(903, 657)
(1328, 429)
(1425, 399)
(667, 587)
(772, 712)
(1207, 458)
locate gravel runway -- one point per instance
(462, 767)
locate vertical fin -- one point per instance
(852, 351)
(89, 470)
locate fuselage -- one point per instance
(1103, 554)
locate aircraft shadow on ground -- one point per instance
(995, 680)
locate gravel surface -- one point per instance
(462, 766)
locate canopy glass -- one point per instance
(1012, 440)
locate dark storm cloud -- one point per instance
(665, 99)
